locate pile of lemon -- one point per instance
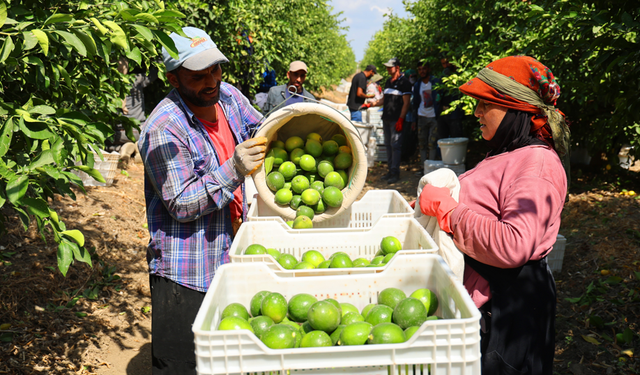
(304, 321)
(308, 174)
(313, 259)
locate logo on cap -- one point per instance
(196, 41)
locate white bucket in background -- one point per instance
(454, 150)
(625, 160)
(457, 168)
(432, 165)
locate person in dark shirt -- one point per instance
(358, 92)
(396, 102)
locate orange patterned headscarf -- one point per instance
(531, 74)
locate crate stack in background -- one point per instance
(447, 346)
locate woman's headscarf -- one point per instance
(524, 84)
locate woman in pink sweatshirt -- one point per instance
(508, 216)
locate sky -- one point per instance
(364, 18)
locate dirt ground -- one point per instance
(96, 320)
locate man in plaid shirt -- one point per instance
(197, 149)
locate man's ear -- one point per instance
(173, 79)
(289, 76)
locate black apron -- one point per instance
(518, 334)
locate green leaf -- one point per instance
(51, 171)
(5, 136)
(43, 40)
(36, 206)
(45, 158)
(167, 43)
(67, 79)
(613, 280)
(35, 129)
(146, 17)
(65, 256)
(268, 162)
(76, 235)
(30, 40)
(58, 18)
(118, 37)
(82, 254)
(7, 48)
(145, 32)
(91, 172)
(16, 188)
(169, 13)
(42, 109)
(637, 275)
(73, 41)
(80, 314)
(88, 42)
(103, 30)
(3, 13)
(135, 55)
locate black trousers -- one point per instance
(173, 308)
(519, 321)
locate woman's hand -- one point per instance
(437, 202)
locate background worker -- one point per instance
(426, 109)
(297, 74)
(196, 152)
(396, 101)
(509, 213)
(358, 92)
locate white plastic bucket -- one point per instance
(432, 165)
(454, 150)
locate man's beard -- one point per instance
(194, 97)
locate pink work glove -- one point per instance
(399, 124)
(437, 202)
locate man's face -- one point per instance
(368, 73)
(198, 87)
(296, 79)
(423, 71)
(444, 62)
(392, 70)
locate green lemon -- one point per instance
(409, 312)
(313, 148)
(315, 136)
(310, 197)
(274, 305)
(283, 196)
(330, 148)
(316, 339)
(255, 249)
(302, 222)
(293, 142)
(377, 260)
(279, 156)
(295, 202)
(390, 244)
(274, 253)
(333, 179)
(428, 298)
(409, 332)
(233, 323)
(235, 309)
(335, 335)
(343, 160)
(276, 144)
(318, 185)
(288, 170)
(299, 184)
(387, 258)
(305, 211)
(347, 308)
(308, 163)
(379, 314)
(279, 336)
(324, 168)
(341, 261)
(334, 303)
(323, 316)
(313, 256)
(260, 324)
(319, 207)
(391, 297)
(275, 181)
(387, 333)
(299, 306)
(340, 139)
(344, 149)
(303, 266)
(361, 262)
(355, 333)
(366, 309)
(324, 264)
(256, 302)
(332, 196)
(287, 261)
(351, 317)
(344, 176)
(295, 156)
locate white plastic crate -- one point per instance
(356, 243)
(556, 256)
(107, 169)
(450, 346)
(364, 213)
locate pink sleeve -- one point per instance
(526, 226)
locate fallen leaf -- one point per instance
(591, 340)
(628, 352)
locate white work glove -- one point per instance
(249, 155)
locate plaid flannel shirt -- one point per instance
(188, 191)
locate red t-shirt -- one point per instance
(225, 145)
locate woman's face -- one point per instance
(490, 116)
